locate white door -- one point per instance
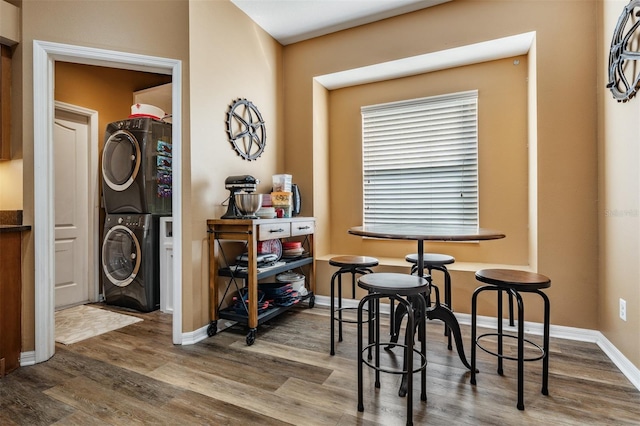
(72, 164)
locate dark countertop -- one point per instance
(14, 228)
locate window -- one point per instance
(420, 161)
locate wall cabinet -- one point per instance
(10, 301)
(248, 232)
(5, 103)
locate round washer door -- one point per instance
(121, 256)
(120, 160)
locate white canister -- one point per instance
(296, 280)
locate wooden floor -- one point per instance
(136, 376)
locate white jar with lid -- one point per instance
(296, 280)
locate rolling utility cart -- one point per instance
(225, 274)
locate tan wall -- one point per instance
(141, 27)
(566, 146)
(106, 90)
(231, 58)
(619, 209)
(502, 153)
(11, 185)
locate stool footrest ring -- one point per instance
(503, 356)
(422, 366)
(352, 321)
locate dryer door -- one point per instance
(121, 256)
(121, 159)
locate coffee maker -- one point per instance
(235, 184)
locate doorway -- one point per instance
(45, 54)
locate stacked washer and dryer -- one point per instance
(136, 185)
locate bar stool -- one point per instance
(407, 290)
(514, 283)
(354, 265)
(438, 262)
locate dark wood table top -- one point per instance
(404, 231)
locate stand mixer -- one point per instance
(235, 185)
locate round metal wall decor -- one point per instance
(624, 55)
(246, 129)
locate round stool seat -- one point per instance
(511, 279)
(435, 259)
(393, 283)
(357, 261)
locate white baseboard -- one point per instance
(569, 333)
(193, 337)
(201, 333)
(627, 368)
(27, 358)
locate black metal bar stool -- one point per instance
(438, 262)
(514, 283)
(354, 265)
(408, 291)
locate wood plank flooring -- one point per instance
(135, 375)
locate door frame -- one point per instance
(93, 210)
(45, 54)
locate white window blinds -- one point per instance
(420, 161)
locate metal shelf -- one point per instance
(231, 314)
(292, 264)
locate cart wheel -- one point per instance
(212, 329)
(251, 336)
(312, 302)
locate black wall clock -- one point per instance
(624, 56)
(246, 129)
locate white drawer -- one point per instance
(269, 231)
(303, 228)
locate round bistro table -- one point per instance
(422, 233)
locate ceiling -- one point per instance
(291, 21)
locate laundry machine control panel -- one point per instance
(131, 221)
